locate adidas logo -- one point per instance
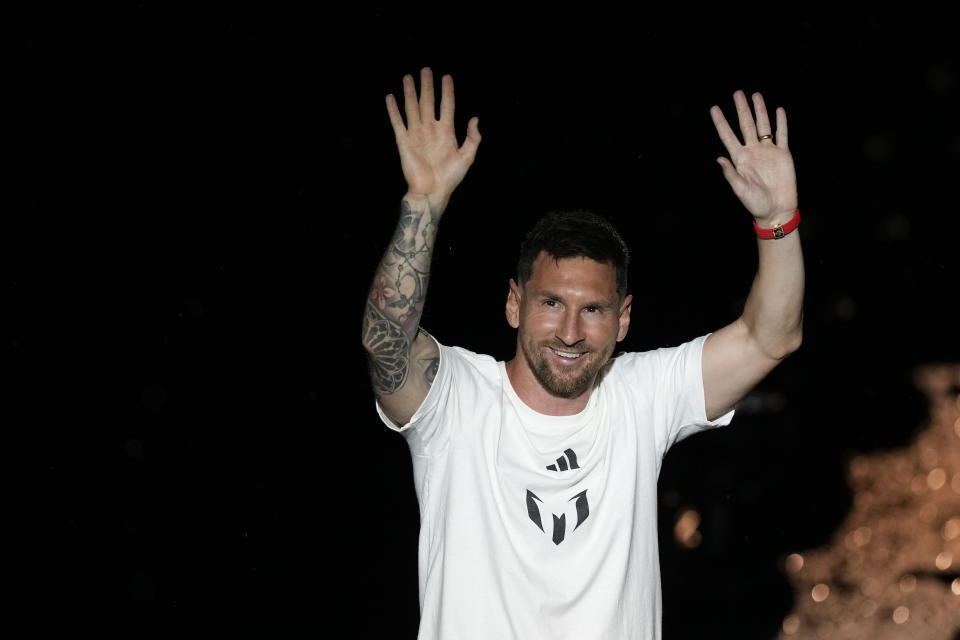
(562, 463)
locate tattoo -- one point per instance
(389, 351)
(397, 296)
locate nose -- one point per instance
(570, 331)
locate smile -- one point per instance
(570, 355)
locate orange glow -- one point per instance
(685, 531)
(790, 624)
(903, 526)
(951, 529)
(820, 592)
(900, 614)
(936, 478)
(794, 562)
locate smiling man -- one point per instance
(537, 477)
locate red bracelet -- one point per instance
(778, 230)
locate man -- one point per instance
(537, 477)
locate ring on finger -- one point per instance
(765, 136)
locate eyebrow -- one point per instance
(600, 304)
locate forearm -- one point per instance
(773, 313)
(395, 303)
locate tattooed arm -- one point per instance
(403, 358)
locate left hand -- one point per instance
(761, 173)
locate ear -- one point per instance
(624, 318)
(513, 305)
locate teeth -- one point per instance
(566, 354)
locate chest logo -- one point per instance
(567, 461)
(559, 522)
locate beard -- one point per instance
(563, 384)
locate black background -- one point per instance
(200, 197)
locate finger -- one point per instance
(781, 128)
(763, 120)
(446, 99)
(428, 106)
(410, 106)
(394, 113)
(747, 126)
(727, 136)
(470, 144)
(737, 183)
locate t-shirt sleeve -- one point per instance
(427, 432)
(680, 393)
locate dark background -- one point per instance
(200, 197)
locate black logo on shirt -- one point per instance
(559, 523)
(561, 464)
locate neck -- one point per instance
(529, 389)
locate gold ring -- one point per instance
(766, 136)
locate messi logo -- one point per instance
(559, 523)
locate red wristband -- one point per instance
(778, 230)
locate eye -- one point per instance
(550, 303)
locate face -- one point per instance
(568, 317)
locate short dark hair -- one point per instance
(575, 234)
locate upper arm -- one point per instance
(733, 363)
(413, 374)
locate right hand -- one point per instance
(433, 164)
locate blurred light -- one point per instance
(951, 529)
(929, 456)
(944, 560)
(900, 614)
(908, 583)
(936, 478)
(955, 482)
(918, 484)
(868, 608)
(820, 592)
(790, 624)
(955, 586)
(794, 562)
(685, 531)
(869, 586)
(927, 514)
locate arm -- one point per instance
(761, 174)
(403, 359)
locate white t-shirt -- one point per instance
(536, 526)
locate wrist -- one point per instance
(436, 202)
(776, 226)
(781, 217)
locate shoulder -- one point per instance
(462, 363)
(654, 362)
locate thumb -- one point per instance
(730, 173)
(472, 141)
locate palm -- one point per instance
(760, 172)
(432, 162)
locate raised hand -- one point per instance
(432, 161)
(760, 171)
